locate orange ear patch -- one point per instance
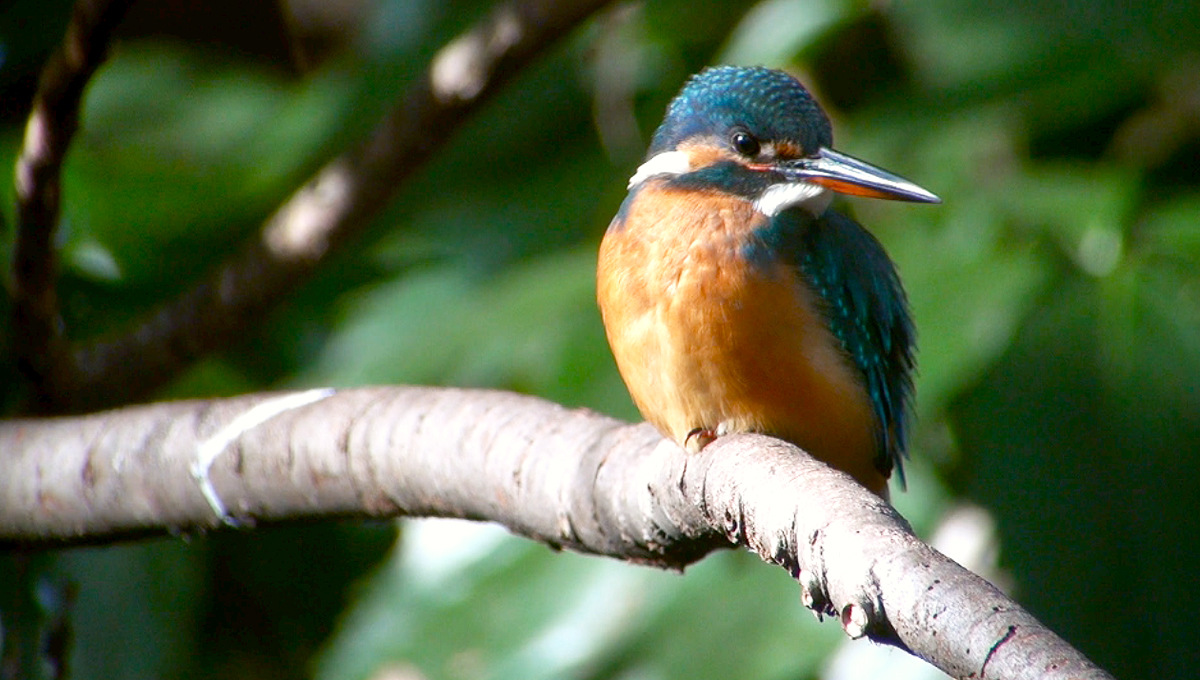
(705, 152)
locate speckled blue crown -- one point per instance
(768, 102)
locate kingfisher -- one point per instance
(736, 300)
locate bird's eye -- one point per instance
(744, 143)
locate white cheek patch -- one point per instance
(665, 163)
(779, 197)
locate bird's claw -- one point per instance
(699, 438)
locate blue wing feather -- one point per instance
(866, 309)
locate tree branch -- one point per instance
(327, 212)
(38, 340)
(568, 478)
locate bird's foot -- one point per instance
(698, 439)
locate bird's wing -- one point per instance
(866, 308)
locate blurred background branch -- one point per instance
(330, 209)
(39, 344)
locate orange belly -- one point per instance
(706, 339)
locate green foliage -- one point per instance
(458, 600)
(1056, 293)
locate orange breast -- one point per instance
(706, 339)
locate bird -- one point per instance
(735, 299)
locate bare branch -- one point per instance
(566, 478)
(323, 215)
(37, 333)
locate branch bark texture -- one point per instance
(568, 478)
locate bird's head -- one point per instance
(757, 133)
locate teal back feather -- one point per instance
(864, 305)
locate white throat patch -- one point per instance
(777, 197)
(665, 163)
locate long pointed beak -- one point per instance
(848, 175)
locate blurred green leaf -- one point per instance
(534, 329)
(468, 601)
(204, 152)
(142, 606)
(772, 32)
(1084, 211)
(1172, 230)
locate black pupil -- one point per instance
(745, 144)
